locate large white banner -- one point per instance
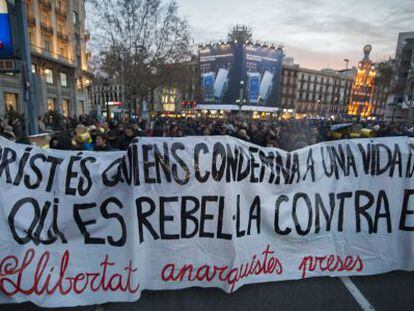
(81, 228)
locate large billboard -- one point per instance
(228, 68)
(263, 74)
(216, 63)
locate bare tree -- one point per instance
(137, 41)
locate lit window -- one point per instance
(10, 99)
(31, 37)
(82, 107)
(65, 107)
(62, 51)
(49, 76)
(75, 17)
(63, 79)
(51, 104)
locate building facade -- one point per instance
(60, 59)
(288, 90)
(183, 93)
(325, 92)
(101, 96)
(400, 103)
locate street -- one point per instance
(392, 291)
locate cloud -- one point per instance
(316, 32)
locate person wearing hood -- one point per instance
(101, 143)
(127, 138)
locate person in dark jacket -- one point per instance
(127, 138)
(101, 143)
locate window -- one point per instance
(59, 4)
(51, 104)
(65, 107)
(31, 37)
(44, 18)
(75, 17)
(169, 107)
(82, 107)
(63, 79)
(61, 28)
(49, 76)
(10, 100)
(80, 84)
(62, 51)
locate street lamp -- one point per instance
(241, 99)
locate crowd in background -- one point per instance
(87, 133)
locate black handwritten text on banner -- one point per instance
(81, 228)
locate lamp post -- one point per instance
(241, 97)
(106, 85)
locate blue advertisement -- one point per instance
(264, 71)
(216, 63)
(6, 47)
(253, 87)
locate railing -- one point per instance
(47, 4)
(62, 36)
(46, 28)
(41, 51)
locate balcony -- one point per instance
(40, 51)
(61, 12)
(46, 28)
(31, 20)
(62, 36)
(46, 4)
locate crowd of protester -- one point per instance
(87, 133)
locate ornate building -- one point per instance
(315, 92)
(59, 59)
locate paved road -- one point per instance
(392, 291)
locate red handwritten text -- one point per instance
(266, 264)
(30, 276)
(330, 263)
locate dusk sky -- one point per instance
(317, 33)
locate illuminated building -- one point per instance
(60, 60)
(361, 104)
